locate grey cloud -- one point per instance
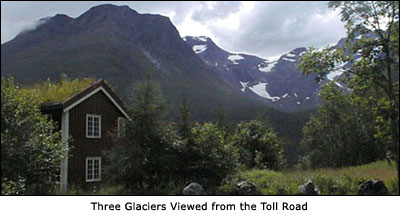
(220, 10)
(273, 28)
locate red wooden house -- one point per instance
(87, 117)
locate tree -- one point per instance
(373, 34)
(184, 123)
(341, 134)
(213, 157)
(31, 149)
(142, 158)
(258, 146)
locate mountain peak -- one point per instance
(108, 10)
(109, 7)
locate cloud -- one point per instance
(273, 28)
(215, 10)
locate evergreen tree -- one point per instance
(143, 157)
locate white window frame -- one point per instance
(87, 129)
(121, 124)
(93, 170)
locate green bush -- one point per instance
(31, 149)
(258, 146)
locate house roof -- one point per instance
(82, 95)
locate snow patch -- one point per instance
(295, 95)
(338, 84)
(298, 102)
(332, 75)
(261, 91)
(201, 38)
(307, 98)
(235, 58)
(199, 48)
(244, 85)
(290, 55)
(285, 95)
(268, 68)
(286, 59)
(337, 72)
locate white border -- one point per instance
(93, 116)
(64, 162)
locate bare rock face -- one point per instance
(245, 188)
(372, 187)
(308, 188)
(194, 189)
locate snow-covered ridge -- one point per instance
(199, 48)
(235, 58)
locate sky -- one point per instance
(266, 29)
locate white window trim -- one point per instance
(86, 169)
(120, 121)
(93, 116)
(92, 93)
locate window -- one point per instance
(93, 169)
(93, 126)
(121, 126)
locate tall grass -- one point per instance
(343, 181)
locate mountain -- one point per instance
(122, 46)
(278, 83)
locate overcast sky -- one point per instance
(266, 29)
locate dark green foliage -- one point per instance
(288, 127)
(213, 157)
(31, 151)
(341, 134)
(142, 159)
(184, 123)
(154, 153)
(374, 78)
(258, 146)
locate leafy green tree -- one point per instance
(341, 134)
(258, 146)
(373, 34)
(31, 149)
(214, 158)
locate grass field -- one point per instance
(343, 181)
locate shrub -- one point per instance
(31, 149)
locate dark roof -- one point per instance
(76, 97)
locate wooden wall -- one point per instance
(82, 147)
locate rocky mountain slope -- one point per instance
(278, 83)
(122, 46)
